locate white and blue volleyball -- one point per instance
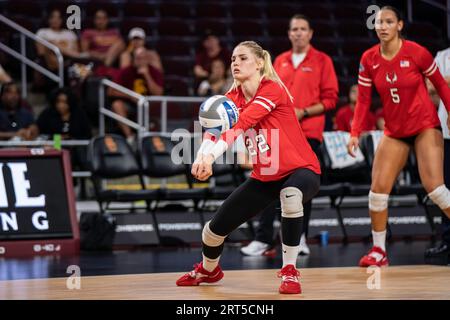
(218, 114)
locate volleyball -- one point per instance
(218, 113)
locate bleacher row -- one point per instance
(111, 157)
(174, 29)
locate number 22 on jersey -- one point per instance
(259, 142)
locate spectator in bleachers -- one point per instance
(136, 38)
(4, 76)
(142, 78)
(65, 40)
(344, 115)
(16, 120)
(64, 117)
(102, 43)
(217, 82)
(211, 50)
(311, 79)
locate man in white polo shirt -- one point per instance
(443, 62)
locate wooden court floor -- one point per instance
(397, 282)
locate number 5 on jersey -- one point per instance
(394, 95)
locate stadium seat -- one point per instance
(171, 9)
(355, 48)
(24, 8)
(354, 29)
(211, 10)
(246, 28)
(30, 24)
(157, 162)
(177, 66)
(327, 46)
(277, 27)
(217, 26)
(277, 45)
(346, 12)
(339, 166)
(352, 66)
(315, 11)
(177, 86)
(323, 29)
(173, 47)
(280, 10)
(111, 157)
(246, 10)
(62, 5)
(139, 9)
(336, 192)
(174, 27)
(129, 23)
(110, 7)
(340, 172)
(422, 30)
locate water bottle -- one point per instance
(323, 238)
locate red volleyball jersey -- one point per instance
(313, 81)
(400, 82)
(273, 135)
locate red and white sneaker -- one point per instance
(375, 257)
(199, 275)
(289, 280)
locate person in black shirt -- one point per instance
(64, 117)
(15, 119)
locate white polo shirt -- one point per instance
(443, 62)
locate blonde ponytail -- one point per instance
(267, 71)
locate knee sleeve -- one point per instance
(441, 197)
(378, 201)
(291, 202)
(210, 238)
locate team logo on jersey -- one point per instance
(307, 69)
(391, 77)
(404, 63)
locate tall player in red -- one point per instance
(398, 68)
(284, 166)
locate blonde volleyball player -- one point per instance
(266, 106)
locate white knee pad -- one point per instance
(441, 197)
(378, 201)
(291, 202)
(210, 238)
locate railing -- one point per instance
(27, 62)
(141, 114)
(142, 123)
(164, 100)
